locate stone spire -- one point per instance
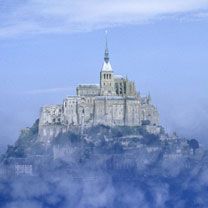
(106, 57)
(106, 65)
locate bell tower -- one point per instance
(107, 85)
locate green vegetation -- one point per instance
(25, 143)
(193, 144)
(67, 138)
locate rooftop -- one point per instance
(107, 66)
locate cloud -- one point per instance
(66, 16)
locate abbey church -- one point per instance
(113, 102)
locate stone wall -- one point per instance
(88, 90)
(150, 113)
(52, 114)
(89, 111)
(70, 111)
(109, 111)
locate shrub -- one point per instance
(193, 144)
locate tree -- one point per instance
(193, 144)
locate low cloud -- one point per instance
(96, 187)
(66, 16)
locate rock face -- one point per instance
(137, 144)
(114, 102)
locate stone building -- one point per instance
(113, 102)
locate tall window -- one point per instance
(117, 88)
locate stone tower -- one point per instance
(107, 85)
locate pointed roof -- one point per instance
(106, 65)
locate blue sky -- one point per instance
(48, 47)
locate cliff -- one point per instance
(143, 139)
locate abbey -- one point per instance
(113, 102)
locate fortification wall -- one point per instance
(133, 112)
(70, 111)
(150, 113)
(88, 111)
(52, 114)
(109, 111)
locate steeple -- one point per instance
(106, 57)
(106, 65)
(107, 86)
